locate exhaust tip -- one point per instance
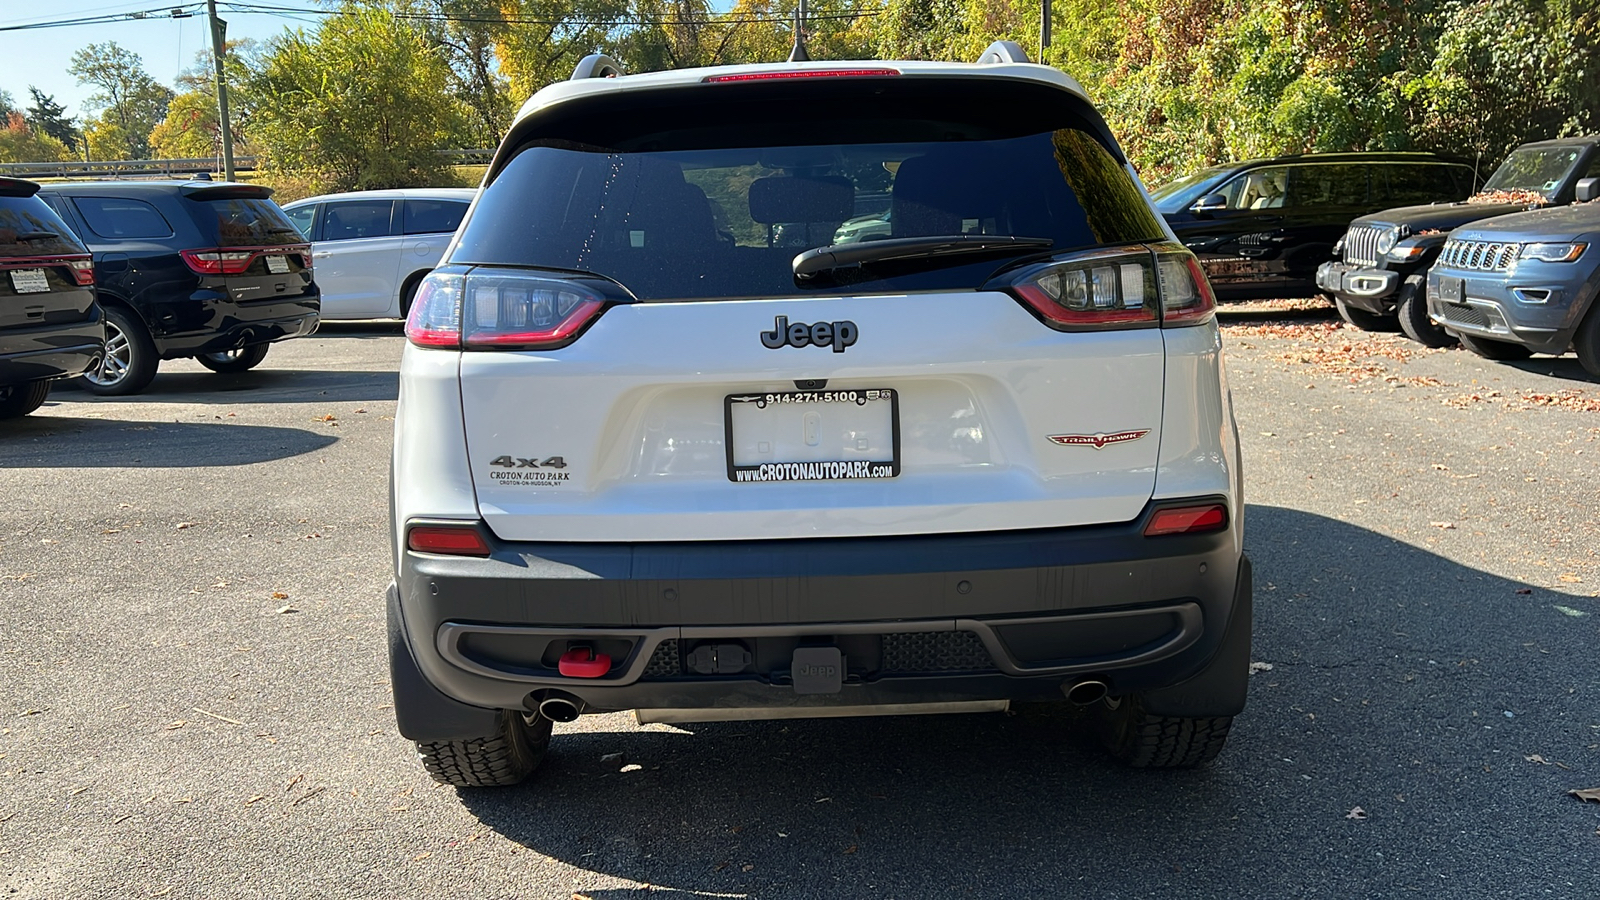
(1087, 691)
(559, 709)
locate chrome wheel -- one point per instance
(113, 367)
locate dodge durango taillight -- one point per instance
(485, 310)
(82, 271)
(237, 260)
(1121, 288)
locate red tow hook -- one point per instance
(583, 662)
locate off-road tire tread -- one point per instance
(1587, 341)
(1363, 320)
(1489, 348)
(498, 760)
(1145, 741)
(1412, 311)
(20, 399)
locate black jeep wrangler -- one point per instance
(1383, 269)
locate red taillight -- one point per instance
(1187, 520)
(237, 260)
(1117, 288)
(218, 262)
(1186, 297)
(450, 540)
(800, 73)
(1101, 289)
(496, 311)
(82, 271)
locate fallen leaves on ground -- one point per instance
(1260, 667)
(1587, 794)
(1357, 813)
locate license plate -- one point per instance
(29, 281)
(812, 435)
(1450, 288)
(278, 265)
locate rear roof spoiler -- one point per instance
(18, 187)
(1003, 52)
(596, 65)
(227, 190)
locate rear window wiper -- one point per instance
(37, 236)
(833, 257)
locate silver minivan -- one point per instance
(372, 247)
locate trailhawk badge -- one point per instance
(1098, 441)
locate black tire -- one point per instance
(17, 400)
(1144, 741)
(498, 760)
(229, 362)
(1587, 341)
(1360, 318)
(130, 360)
(1412, 311)
(408, 294)
(1488, 348)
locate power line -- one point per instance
(182, 11)
(262, 9)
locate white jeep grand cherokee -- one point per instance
(669, 442)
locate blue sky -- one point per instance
(168, 46)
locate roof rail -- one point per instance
(597, 65)
(1003, 52)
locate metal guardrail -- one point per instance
(149, 168)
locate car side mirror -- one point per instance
(1588, 189)
(1210, 203)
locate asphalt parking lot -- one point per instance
(194, 696)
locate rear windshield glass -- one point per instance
(30, 228)
(727, 221)
(251, 222)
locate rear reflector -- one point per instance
(451, 540)
(1187, 520)
(799, 73)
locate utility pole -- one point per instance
(219, 52)
(1044, 35)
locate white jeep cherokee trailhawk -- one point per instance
(672, 438)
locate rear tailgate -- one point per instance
(623, 435)
(42, 267)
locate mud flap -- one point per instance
(1219, 689)
(420, 710)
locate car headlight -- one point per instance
(1553, 253)
(1387, 240)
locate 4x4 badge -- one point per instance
(1098, 441)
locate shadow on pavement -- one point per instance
(63, 442)
(265, 385)
(1564, 367)
(1400, 681)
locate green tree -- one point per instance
(128, 104)
(360, 102)
(49, 117)
(20, 143)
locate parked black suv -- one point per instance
(1262, 227)
(1386, 256)
(50, 324)
(212, 270)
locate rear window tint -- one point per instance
(250, 222)
(30, 228)
(424, 216)
(713, 198)
(122, 217)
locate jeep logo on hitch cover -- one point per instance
(837, 335)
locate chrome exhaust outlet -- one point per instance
(1086, 692)
(559, 709)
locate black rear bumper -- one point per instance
(1006, 615)
(50, 351)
